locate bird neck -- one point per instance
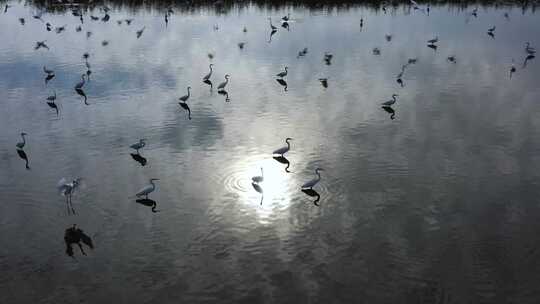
(23, 139)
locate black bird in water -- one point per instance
(74, 235)
(324, 82)
(149, 203)
(21, 20)
(81, 93)
(140, 32)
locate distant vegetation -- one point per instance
(227, 5)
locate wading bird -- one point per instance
(148, 189)
(139, 145)
(80, 85)
(207, 77)
(21, 144)
(391, 101)
(281, 151)
(221, 86)
(282, 74)
(271, 25)
(185, 97)
(67, 189)
(140, 32)
(47, 71)
(313, 182)
(258, 179)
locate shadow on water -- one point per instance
(24, 157)
(283, 160)
(282, 83)
(390, 110)
(149, 203)
(139, 158)
(313, 193)
(74, 235)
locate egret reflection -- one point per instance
(313, 193)
(24, 157)
(283, 83)
(283, 160)
(149, 203)
(139, 158)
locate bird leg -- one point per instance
(82, 250)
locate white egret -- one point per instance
(185, 97)
(148, 189)
(282, 74)
(313, 182)
(283, 150)
(140, 32)
(21, 144)
(258, 179)
(66, 189)
(207, 77)
(139, 145)
(391, 101)
(222, 85)
(52, 98)
(271, 25)
(530, 50)
(79, 85)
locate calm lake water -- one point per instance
(434, 203)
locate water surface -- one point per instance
(433, 203)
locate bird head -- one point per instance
(142, 140)
(319, 169)
(394, 95)
(154, 179)
(227, 76)
(211, 64)
(286, 68)
(288, 138)
(23, 133)
(188, 88)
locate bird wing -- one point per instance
(144, 190)
(310, 183)
(281, 150)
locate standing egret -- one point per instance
(529, 50)
(140, 32)
(221, 86)
(185, 97)
(21, 144)
(271, 25)
(282, 74)
(79, 85)
(391, 101)
(259, 189)
(139, 145)
(283, 150)
(258, 179)
(313, 182)
(148, 189)
(185, 106)
(52, 98)
(66, 189)
(207, 77)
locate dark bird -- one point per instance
(48, 27)
(106, 18)
(451, 59)
(21, 20)
(128, 21)
(241, 45)
(283, 83)
(104, 43)
(94, 18)
(60, 29)
(328, 58)
(78, 29)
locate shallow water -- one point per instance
(437, 205)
